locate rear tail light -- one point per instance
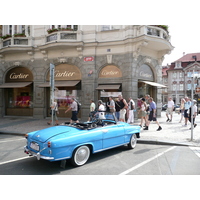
(49, 144)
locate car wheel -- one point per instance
(80, 156)
(132, 142)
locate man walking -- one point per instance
(123, 107)
(186, 111)
(74, 108)
(152, 115)
(92, 109)
(170, 108)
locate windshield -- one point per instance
(98, 119)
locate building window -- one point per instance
(178, 64)
(181, 87)
(189, 74)
(180, 74)
(174, 87)
(106, 27)
(74, 27)
(174, 74)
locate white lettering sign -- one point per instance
(111, 73)
(143, 74)
(18, 76)
(64, 74)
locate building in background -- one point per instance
(178, 77)
(91, 62)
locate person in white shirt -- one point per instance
(194, 113)
(170, 108)
(101, 108)
(92, 109)
(54, 111)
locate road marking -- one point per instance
(2, 163)
(146, 161)
(12, 140)
(196, 150)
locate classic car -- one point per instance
(78, 140)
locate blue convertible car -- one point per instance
(77, 141)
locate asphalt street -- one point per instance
(145, 159)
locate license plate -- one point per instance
(35, 146)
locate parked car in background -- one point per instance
(164, 107)
(77, 141)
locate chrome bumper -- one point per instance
(31, 153)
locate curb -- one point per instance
(140, 141)
(143, 141)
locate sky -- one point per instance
(184, 38)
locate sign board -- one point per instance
(110, 71)
(88, 59)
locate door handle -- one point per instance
(105, 131)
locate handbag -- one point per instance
(112, 110)
(54, 112)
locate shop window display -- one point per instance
(19, 101)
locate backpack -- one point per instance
(132, 107)
(78, 106)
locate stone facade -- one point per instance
(90, 49)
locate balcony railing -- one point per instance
(157, 31)
(61, 35)
(14, 41)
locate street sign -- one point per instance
(88, 59)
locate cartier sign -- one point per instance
(110, 71)
(19, 74)
(145, 73)
(66, 72)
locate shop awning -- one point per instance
(154, 84)
(61, 84)
(15, 85)
(108, 87)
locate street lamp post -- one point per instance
(194, 76)
(52, 69)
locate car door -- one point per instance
(113, 135)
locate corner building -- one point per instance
(91, 62)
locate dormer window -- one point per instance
(178, 64)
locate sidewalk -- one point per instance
(171, 133)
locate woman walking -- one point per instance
(54, 111)
(143, 108)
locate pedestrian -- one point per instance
(182, 109)
(117, 108)
(92, 109)
(74, 108)
(152, 115)
(142, 110)
(54, 111)
(101, 110)
(111, 105)
(194, 109)
(187, 106)
(170, 108)
(131, 107)
(123, 107)
(147, 97)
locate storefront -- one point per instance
(67, 86)
(109, 82)
(18, 92)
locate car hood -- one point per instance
(46, 134)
